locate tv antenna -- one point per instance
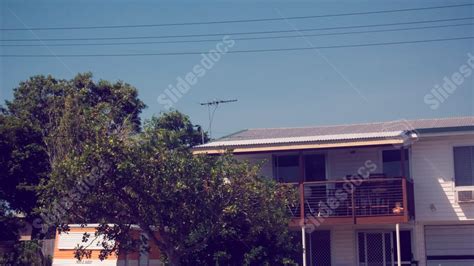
(213, 105)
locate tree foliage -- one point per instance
(34, 125)
(22, 163)
(41, 99)
(196, 209)
(37, 128)
(175, 130)
(26, 253)
(79, 144)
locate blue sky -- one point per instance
(284, 89)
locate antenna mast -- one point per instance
(214, 104)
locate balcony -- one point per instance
(355, 201)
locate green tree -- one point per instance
(175, 130)
(41, 99)
(26, 253)
(194, 208)
(38, 127)
(22, 163)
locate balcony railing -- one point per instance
(385, 200)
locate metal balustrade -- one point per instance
(355, 198)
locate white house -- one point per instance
(359, 183)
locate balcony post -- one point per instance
(302, 218)
(399, 252)
(303, 244)
(301, 187)
(405, 197)
(404, 181)
(354, 218)
(402, 160)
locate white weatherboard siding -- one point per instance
(137, 263)
(108, 262)
(340, 162)
(433, 174)
(343, 246)
(73, 239)
(74, 262)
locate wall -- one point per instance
(65, 257)
(340, 162)
(343, 162)
(433, 173)
(343, 247)
(265, 158)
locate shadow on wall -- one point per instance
(433, 182)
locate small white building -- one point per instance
(357, 182)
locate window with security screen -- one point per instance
(464, 166)
(318, 245)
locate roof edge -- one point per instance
(444, 129)
(305, 139)
(297, 146)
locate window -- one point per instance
(318, 247)
(286, 168)
(380, 248)
(464, 166)
(315, 167)
(392, 163)
(318, 244)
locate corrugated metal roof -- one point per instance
(388, 129)
(337, 137)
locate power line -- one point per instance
(243, 33)
(244, 51)
(237, 21)
(238, 39)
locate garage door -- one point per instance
(450, 245)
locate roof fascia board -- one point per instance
(445, 134)
(423, 131)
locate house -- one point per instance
(65, 244)
(368, 193)
(373, 194)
